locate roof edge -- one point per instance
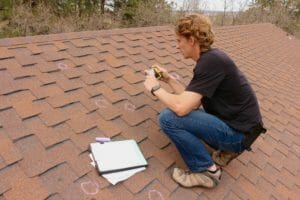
(5, 42)
(75, 35)
(241, 25)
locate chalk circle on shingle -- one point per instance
(101, 103)
(129, 106)
(62, 66)
(155, 195)
(89, 66)
(90, 187)
(175, 75)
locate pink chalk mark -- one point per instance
(101, 103)
(175, 75)
(130, 107)
(155, 195)
(90, 187)
(63, 66)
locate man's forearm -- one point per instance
(180, 104)
(176, 86)
(170, 100)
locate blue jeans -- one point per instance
(189, 132)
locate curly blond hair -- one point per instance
(198, 26)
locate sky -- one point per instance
(216, 5)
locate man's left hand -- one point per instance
(150, 82)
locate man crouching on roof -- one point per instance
(230, 108)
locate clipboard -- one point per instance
(116, 156)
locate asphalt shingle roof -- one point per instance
(59, 92)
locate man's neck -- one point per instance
(196, 54)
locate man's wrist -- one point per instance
(167, 80)
(154, 89)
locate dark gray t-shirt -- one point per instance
(225, 90)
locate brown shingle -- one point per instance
(161, 174)
(58, 178)
(155, 190)
(60, 45)
(34, 49)
(253, 192)
(18, 71)
(52, 117)
(12, 125)
(132, 77)
(26, 109)
(182, 193)
(27, 189)
(106, 109)
(68, 85)
(4, 186)
(133, 89)
(136, 183)
(121, 192)
(46, 135)
(4, 103)
(132, 117)
(7, 84)
(110, 94)
(47, 66)
(54, 56)
(61, 100)
(158, 138)
(74, 73)
(109, 128)
(8, 151)
(136, 133)
(69, 153)
(112, 61)
(27, 59)
(81, 123)
(4, 53)
(36, 160)
(83, 140)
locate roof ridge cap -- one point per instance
(245, 25)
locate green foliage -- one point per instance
(31, 17)
(283, 13)
(5, 9)
(265, 3)
(75, 7)
(143, 13)
(131, 7)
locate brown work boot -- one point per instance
(223, 158)
(191, 179)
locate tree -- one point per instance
(194, 5)
(5, 9)
(283, 13)
(143, 13)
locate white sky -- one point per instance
(234, 5)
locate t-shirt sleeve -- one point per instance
(208, 74)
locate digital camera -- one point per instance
(154, 71)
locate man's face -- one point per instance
(185, 45)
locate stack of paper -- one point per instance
(117, 160)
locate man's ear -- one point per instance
(192, 40)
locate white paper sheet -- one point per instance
(116, 177)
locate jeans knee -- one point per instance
(164, 117)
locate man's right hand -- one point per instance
(166, 75)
